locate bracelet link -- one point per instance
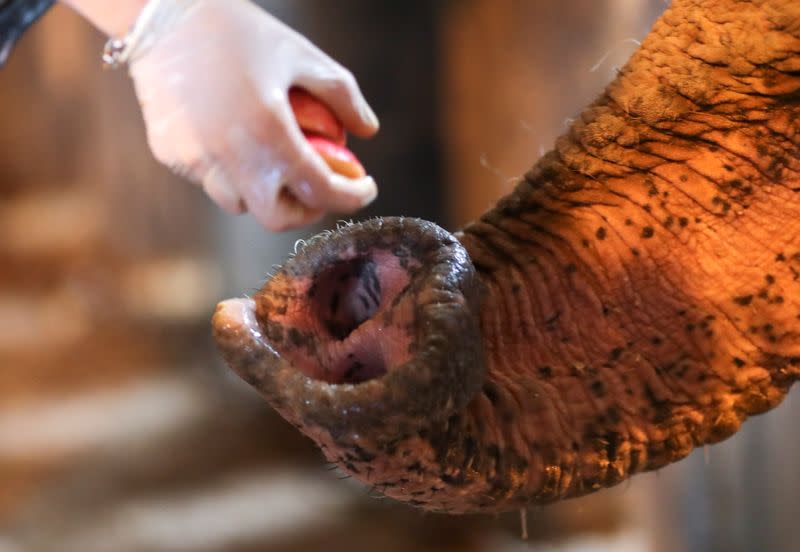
(114, 53)
(120, 50)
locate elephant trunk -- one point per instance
(637, 295)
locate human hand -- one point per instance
(212, 78)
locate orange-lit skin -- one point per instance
(635, 297)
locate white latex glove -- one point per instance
(212, 78)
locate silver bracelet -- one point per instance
(113, 53)
(121, 50)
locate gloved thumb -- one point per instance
(341, 93)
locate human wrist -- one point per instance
(112, 18)
(155, 18)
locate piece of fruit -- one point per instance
(340, 159)
(314, 117)
(325, 133)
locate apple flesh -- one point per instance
(325, 133)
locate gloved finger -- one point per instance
(260, 177)
(322, 197)
(279, 211)
(184, 156)
(223, 191)
(337, 88)
(310, 177)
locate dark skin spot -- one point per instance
(628, 222)
(457, 479)
(296, 337)
(490, 391)
(743, 300)
(601, 233)
(352, 371)
(613, 441)
(275, 332)
(598, 388)
(661, 408)
(683, 222)
(363, 455)
(738, 362)
(552, 320)
(723, 204)
(647, 232)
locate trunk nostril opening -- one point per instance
(347, 294)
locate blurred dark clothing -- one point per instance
(15, 17)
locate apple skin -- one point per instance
(325, 133)
(340, 159)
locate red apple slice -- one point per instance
(340, 159)
(315, 117)
(325, 133)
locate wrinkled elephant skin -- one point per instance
(636, 296)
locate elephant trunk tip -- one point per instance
(370, 330)
(341, 319)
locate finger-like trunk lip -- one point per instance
(444, 373)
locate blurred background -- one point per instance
(120, 429)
